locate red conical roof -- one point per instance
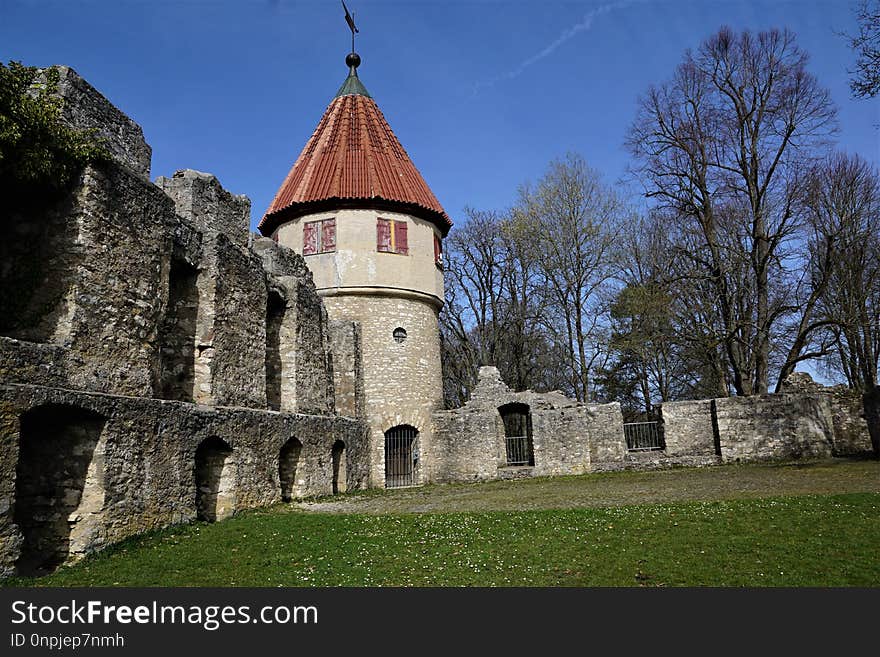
(353, 160)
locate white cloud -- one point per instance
(569, 33)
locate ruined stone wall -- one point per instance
(201, 200)
(85, 108)
(146, 301)
(567, 437)
(226, 348)
(40, 364)
(108, 302)
(146, 461)
(741, 429)
(774, 427)
(238, 366)
(348, 378)
(687, 428)
(108, 308)
(305, 357)
(851, 434)
(607, 441)
(464, 447)
(36, 270)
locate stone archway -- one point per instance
(288, 462)
(340, 467)
(215, 477)
(401, 456)
(59, 485)
(518, 446)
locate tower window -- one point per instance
(319, 236)
(399, 335)
(391, 236)
(438, 252)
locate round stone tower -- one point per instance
(371, 231)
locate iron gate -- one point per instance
(517, 450)
(401, 456)
(517, 421)
(643, 436)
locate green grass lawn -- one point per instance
(807, 540)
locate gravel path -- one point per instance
(615, 489)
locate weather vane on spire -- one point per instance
(350, 20)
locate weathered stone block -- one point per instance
(85, 108)
(851, 431)
(202, 201)
(566, 437)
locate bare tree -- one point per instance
(524, 350)
(576, 219)
(865, 82)
(494, 313)
(844, 211)
(724, 145)
(474, 273)
(650, 330)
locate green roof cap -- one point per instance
(352, 84)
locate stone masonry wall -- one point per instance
(305, 336)
(402, 381)
(687, 428)
(851, 435)
(148, 448)
(124, 228)
(137, 293)
(85, 108)
(607, 441)
(37, 269)
(774, 427)
(228, 345)
(201, 200)
(238, 366)
(348, 378)
(567, 437)
(464, 447)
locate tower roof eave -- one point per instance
(272, 220)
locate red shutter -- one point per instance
(328, 235)
(438, 251)
(400, 237)
(310, 238)
(383, 235)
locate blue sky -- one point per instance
(482, 93)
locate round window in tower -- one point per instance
(399, 335)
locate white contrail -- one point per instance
(585, 24)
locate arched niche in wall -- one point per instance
(517, 420)
(215, 472)
(59, 485)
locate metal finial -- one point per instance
(352, 60)
(350, 20)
